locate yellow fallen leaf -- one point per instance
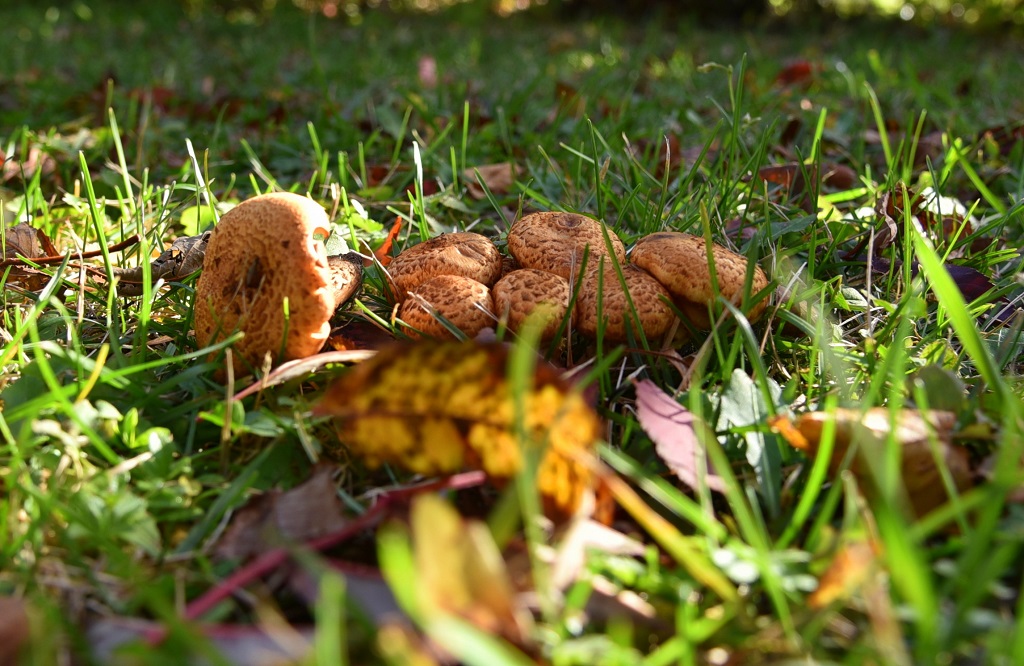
(460, 570)
(438, 407)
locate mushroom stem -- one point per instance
(346, 276)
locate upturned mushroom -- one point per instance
(463, 253)
(680, 263)
(529, 291)
(266, 273)
(601, 286)
(555, 242)
(463, 301)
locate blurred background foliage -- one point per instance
(978, 14)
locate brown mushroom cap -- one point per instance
(261, 254)
(463, 301)
(528, 290)
(680, 262)
(462, 253)
(555, 242)
(649, 299)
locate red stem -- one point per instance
(272, 559)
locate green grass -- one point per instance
(122, 458)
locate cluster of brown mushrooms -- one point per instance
(267, 273)
(461, 280)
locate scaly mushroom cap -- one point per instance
(554, 242)
(527, 291)
(261, 254)
(462, 253)
(461, 300)
(649, 299)
(680, 262)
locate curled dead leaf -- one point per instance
(305, 512)
(915, 431)
(24, 240)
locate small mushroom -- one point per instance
(463, 301)
(648, 297)
(555, 242)
(267, 274)
(530, 291)
(462, 253)
(680, 262)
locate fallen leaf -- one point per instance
(302, 367)
(26, 169)
(240, 645)
(971, 282)
(582, 537)
(940, 217)
(365, 587)
(498, 178)
(790, 131)
(398, 643)
(1004, 136)
(672, 429)
(437, 407)
(24, 240)
(275, 518)
(851, 567)
(426, 71)
(571, 103)
(793, 177)
(14, 629)
(913, 430)
(459, 570)
(382, 251)
(359, 334)
(839, 177)
(796, 72)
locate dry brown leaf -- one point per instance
(912, 429)
(571, 103)
(24, 240)
(793, 177)
(498, 178)
(850, 568)
(797, 72)
(303, 367)
(269, 520)
(14, 629)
